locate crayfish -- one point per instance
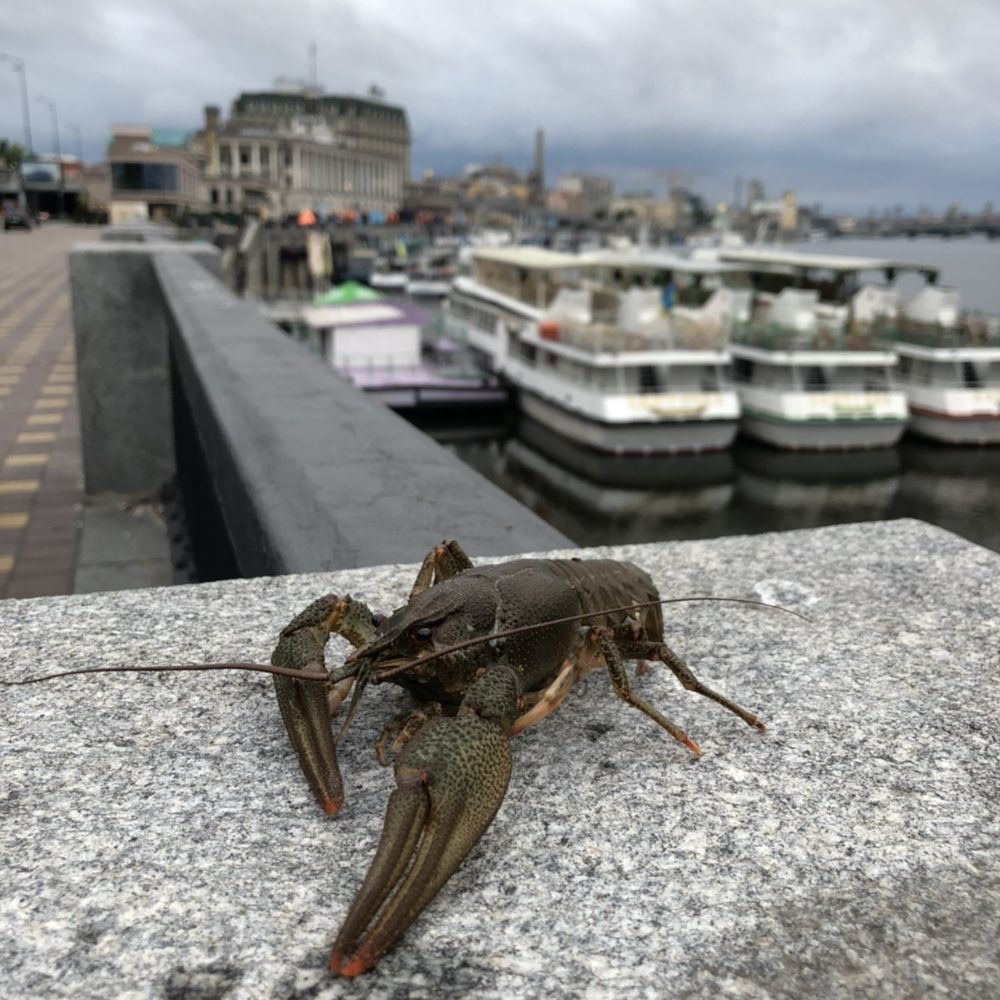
(488, 651)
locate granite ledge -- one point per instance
(159, 840)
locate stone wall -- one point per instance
(159, 839)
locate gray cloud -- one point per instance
(850, 103)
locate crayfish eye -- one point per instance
(377, 620)
(423, 633)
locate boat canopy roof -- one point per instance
(772, 258)
(362, 314)
(537, 258)
(656, 260)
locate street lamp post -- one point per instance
(19, 68)
(55, 129)
(75, 129)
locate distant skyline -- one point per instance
(850, 104)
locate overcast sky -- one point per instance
(852, 103)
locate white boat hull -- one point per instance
(660, 437)
(954, 429)
(822, 435)
(824, 421)
(956, 415)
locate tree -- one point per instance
(11, 154)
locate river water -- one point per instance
(597, 500)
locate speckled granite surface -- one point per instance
(159, 840)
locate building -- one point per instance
(295, 147)
(152, 178)
(51, 184)
(644, 206)
(582, 195)
(775, 216)
(96, 180)
(435, 199)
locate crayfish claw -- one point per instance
(451, 778)
(305, 710)
(305, 705)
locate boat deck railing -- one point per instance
(909, 380)
(773, 337)
(601, 338)
(973, 330)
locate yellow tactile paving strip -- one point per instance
(41, 482)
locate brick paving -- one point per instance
(41, 476)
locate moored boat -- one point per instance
(604, 365)
(808, 366)
(949, 367)
(431, 275)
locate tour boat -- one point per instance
(810, 370)
(432, 273)
(949, 365)
(595, 352)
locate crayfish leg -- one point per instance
(397, 732)
(442, 562)
(604, 639)
(662, 652)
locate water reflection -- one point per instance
(818, 486)
(955, 488)
(598, 499)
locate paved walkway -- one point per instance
(41, 478)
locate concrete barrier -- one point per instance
(285, 467)
(122, 360)
(159, 840)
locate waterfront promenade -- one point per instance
(41, 480)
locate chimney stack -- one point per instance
(539, 172)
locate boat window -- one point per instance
(776, 376)
(877, 378)
(742, 369)
(649, 380)
(970, 377)
(528, 352)
(686, 378)
(606, 378)
(816, 380)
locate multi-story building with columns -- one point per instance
(298, 148)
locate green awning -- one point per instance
(350, 291)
